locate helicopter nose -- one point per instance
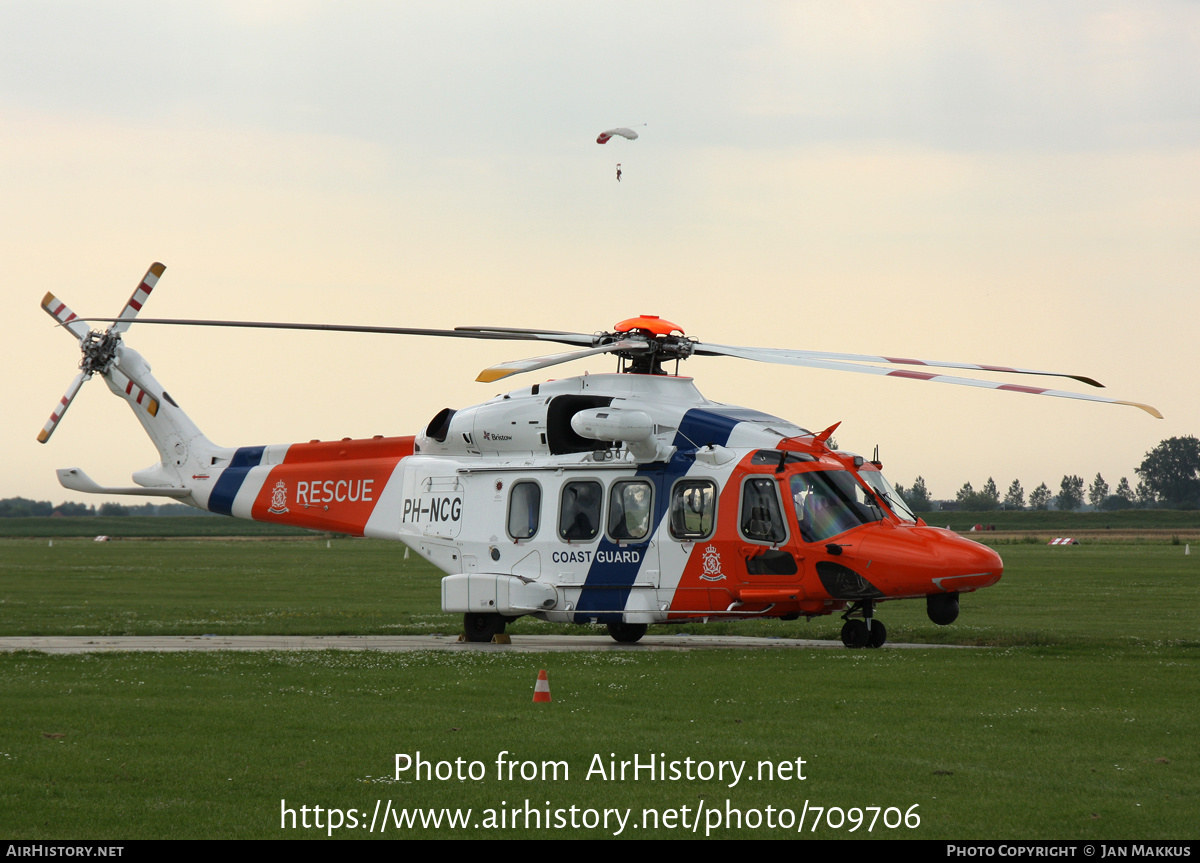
(920, 560)
(966, 565)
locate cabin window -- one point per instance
(524, 509)
(629, 509)
(693, 509)
(579, 510)
(762, 517)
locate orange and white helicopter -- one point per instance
(625, 499)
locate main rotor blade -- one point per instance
(61, 408)
(779, 355)
(349, 328)
(516, 367)
(541, 335)
(796, 359)
(140, 294)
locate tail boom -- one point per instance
(344, 486)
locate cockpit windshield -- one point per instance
(878, 481)
(829, 502)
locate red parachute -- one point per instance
(623, 132)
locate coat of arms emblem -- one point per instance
(279, 499)
(712, 565)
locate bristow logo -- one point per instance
(712, 565)
(494, 436)
(279, 499)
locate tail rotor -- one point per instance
(101, 350)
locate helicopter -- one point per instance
(625, 499)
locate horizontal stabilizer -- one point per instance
(76, 480)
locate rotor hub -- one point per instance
(99, 351)
(658, 336)
(648, 324)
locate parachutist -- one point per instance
(618, 172)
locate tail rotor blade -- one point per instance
(133, 389)
(61, 408)
(140, 294)
(58, 310)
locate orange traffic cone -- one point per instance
(541, 690)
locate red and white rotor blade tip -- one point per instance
(140, 294)
(783, 354)
(58, 310)
(61, 408)
(132, 388)
(796, 359)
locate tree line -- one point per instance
(22, 507)
(1169, 477)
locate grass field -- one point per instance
(1185, 522)
(1078, 721)
(143, 526)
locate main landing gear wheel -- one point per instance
(864, 631)
(481, 627)
(626, 633)
(878, 636)
(854, 634)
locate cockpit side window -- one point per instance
(762, 517)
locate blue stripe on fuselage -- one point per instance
(229, 483)
(606, 589)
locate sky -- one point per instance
(1012, 183)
